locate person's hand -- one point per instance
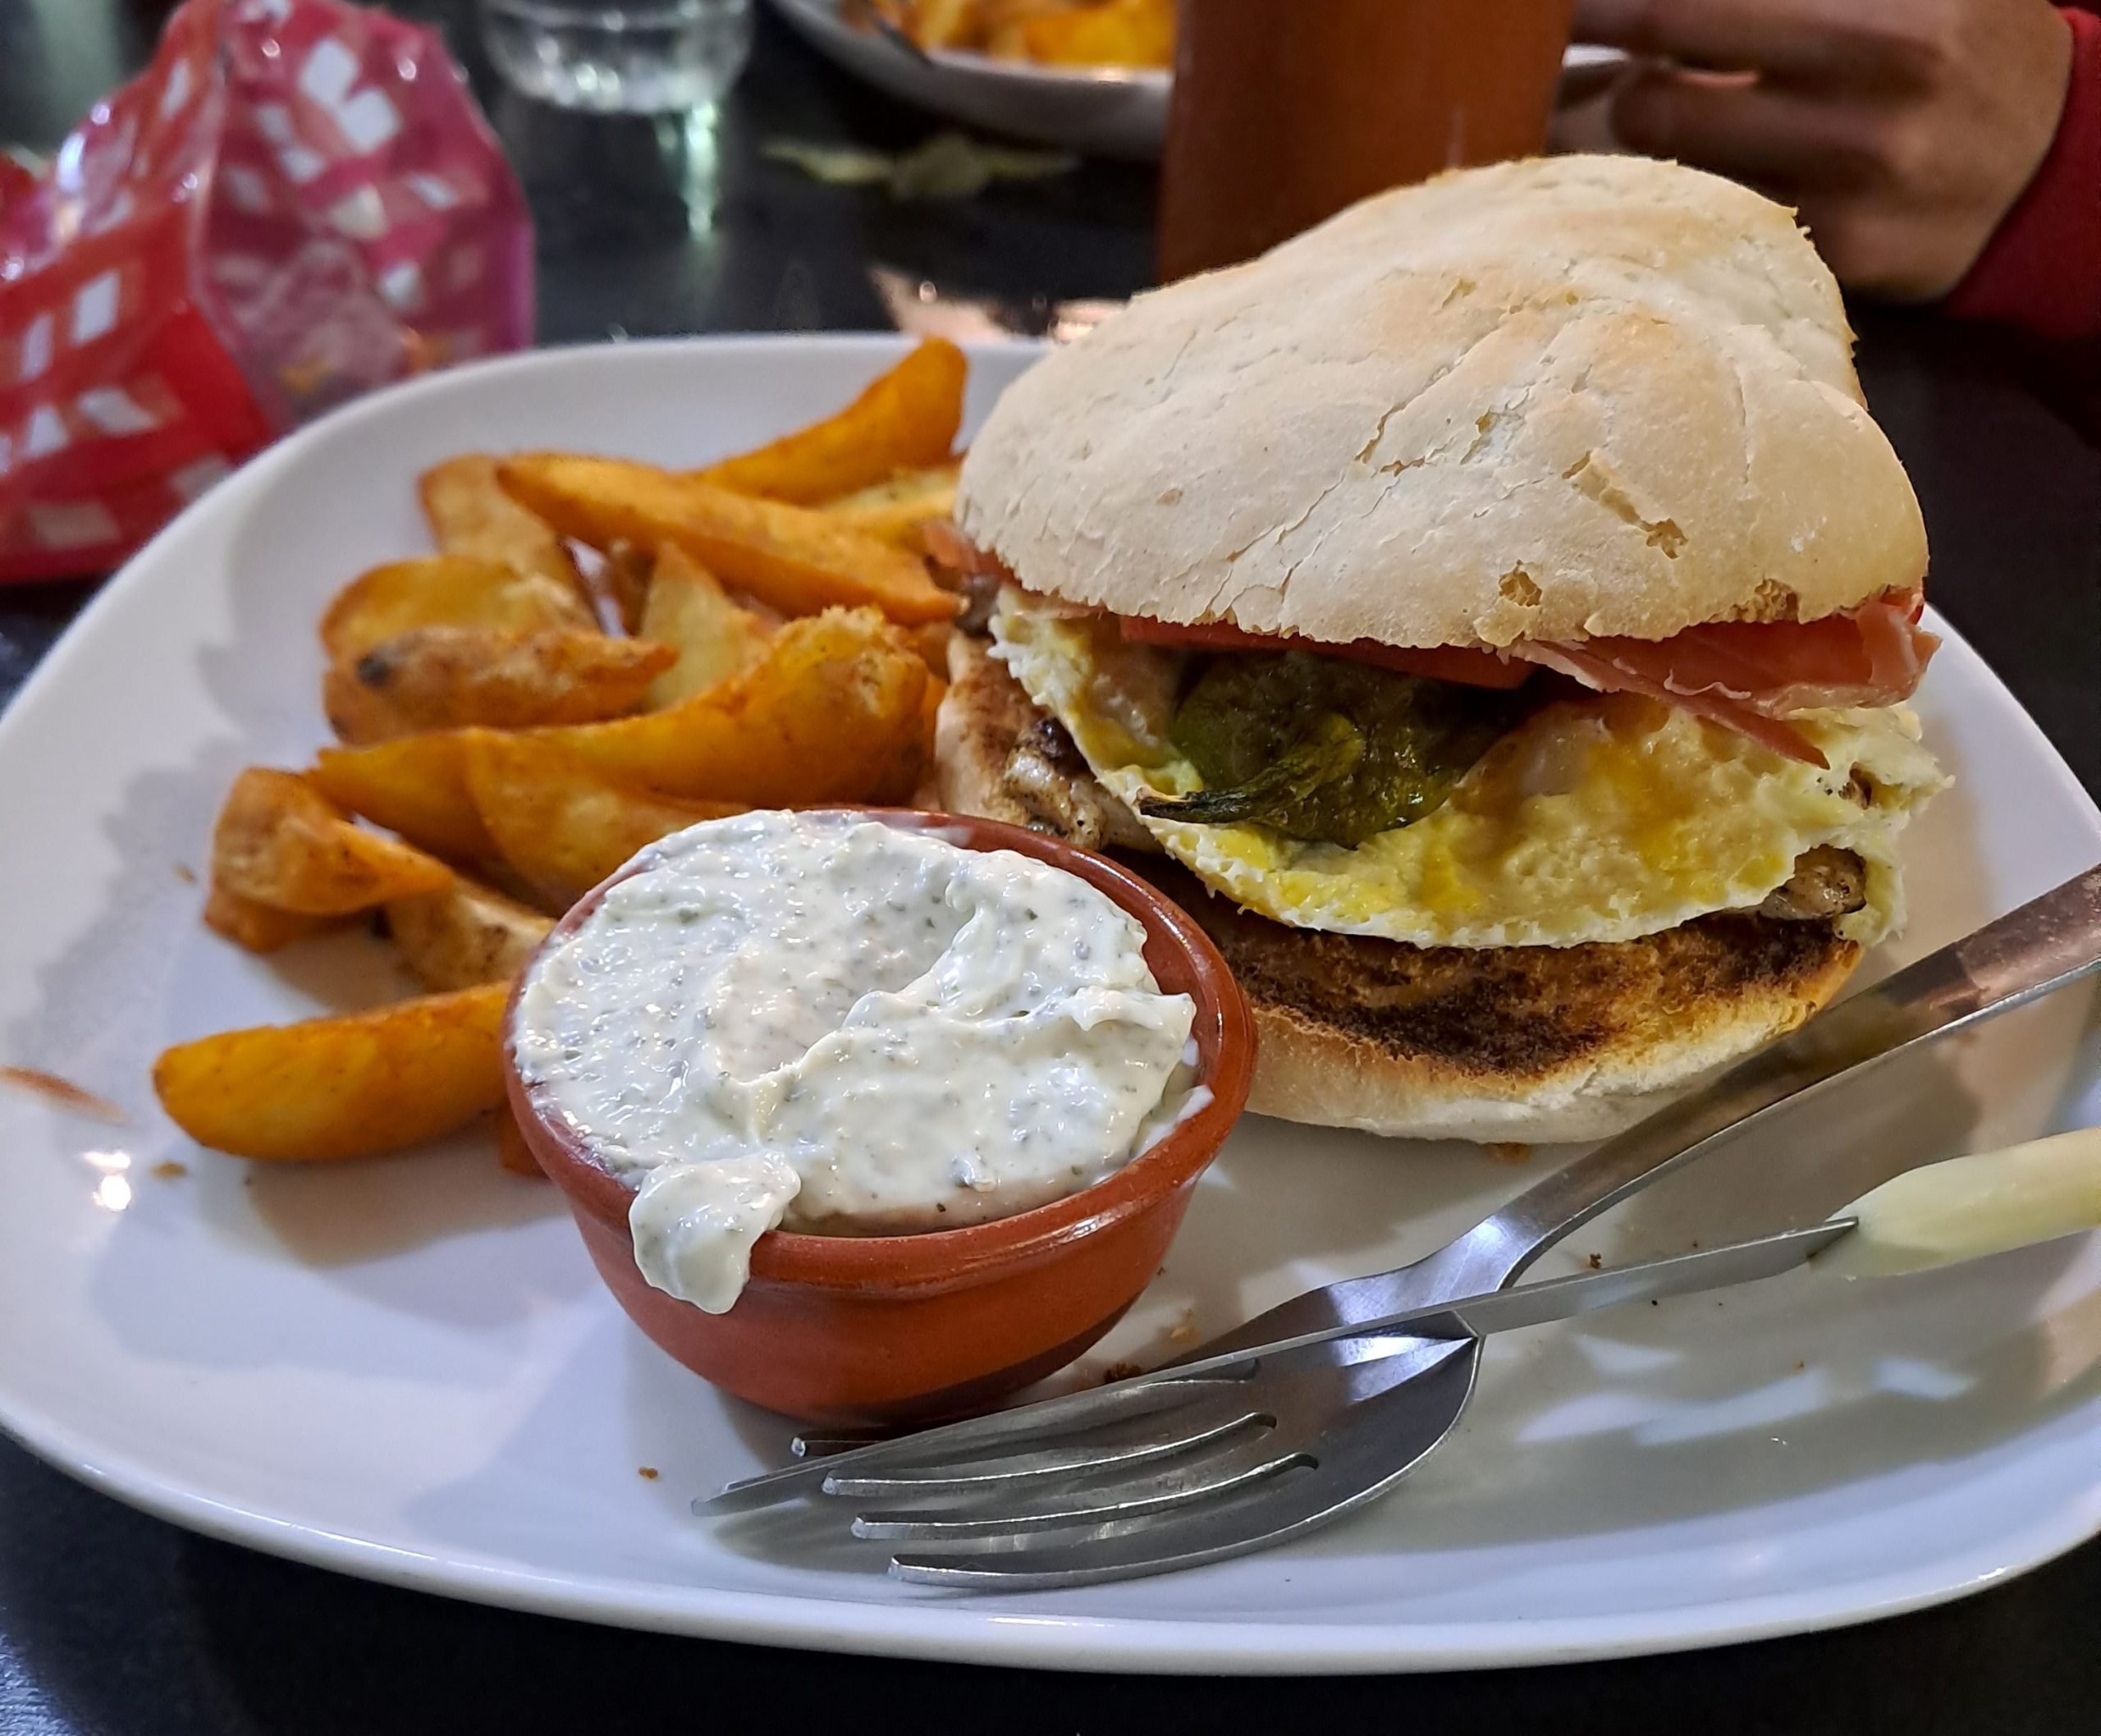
(1903, 129)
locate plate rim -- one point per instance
(979, 1630)
(976, 1631)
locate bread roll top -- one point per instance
(1553, 399)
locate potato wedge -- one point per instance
(469, 514)
(415, 785)
(346, 1086)
(713, 637)
(793, 558)
(358, 716)
(896, 510)
(438, 678)
(1117, 33)
(280, 842)
(561, 825)
(511, 1149)
(905, 418)
(468, 933)
(258, 927)
(823, 717)
(946, 24)
(444, 591)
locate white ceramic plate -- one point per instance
(406, 1369)
(1103, 111)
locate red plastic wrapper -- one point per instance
(297, 202)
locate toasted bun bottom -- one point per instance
(1534, 1044)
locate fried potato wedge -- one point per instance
(415, 785)
(830, 713)
(713, 636)
(346, 1086)
(437, 678)
(897, 510)
(280, 842)
(444, 591)
(511, 1149)
(906, 419)
(468, 933)
(946, 24)
(1117, 33)
(561, 825)
(258, 927)
(790, 557)
(469, 514)
(359, 715)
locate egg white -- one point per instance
(1604, 818)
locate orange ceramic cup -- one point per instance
(883, 1329)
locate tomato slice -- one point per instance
(1750, 677)
(1456, 663)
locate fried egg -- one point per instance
(1601, 819)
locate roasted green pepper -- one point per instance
(1325, 749)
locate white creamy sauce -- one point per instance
(1970, 1207)
(832, 1024)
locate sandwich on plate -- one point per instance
(1491, 613)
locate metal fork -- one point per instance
(1241, 1445)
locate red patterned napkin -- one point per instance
(298, 201)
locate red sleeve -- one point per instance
(2041, 271)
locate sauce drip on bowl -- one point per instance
(824, 1022)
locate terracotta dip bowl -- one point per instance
(881, 1329)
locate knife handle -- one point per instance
(1967, 1207)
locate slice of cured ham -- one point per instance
(1752, 676)
(1749, 676)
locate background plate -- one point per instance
(406, 1369)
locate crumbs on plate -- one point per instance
(64, 1093)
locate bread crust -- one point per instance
(1548, 399)
(1537, 1044)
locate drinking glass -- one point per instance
(1285, 111)
(635, 57)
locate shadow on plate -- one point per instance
(620, 1441)
(340, 1215)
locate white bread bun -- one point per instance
(1552, 399)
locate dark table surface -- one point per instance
(110, 1621)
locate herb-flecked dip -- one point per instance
(839, 1026)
